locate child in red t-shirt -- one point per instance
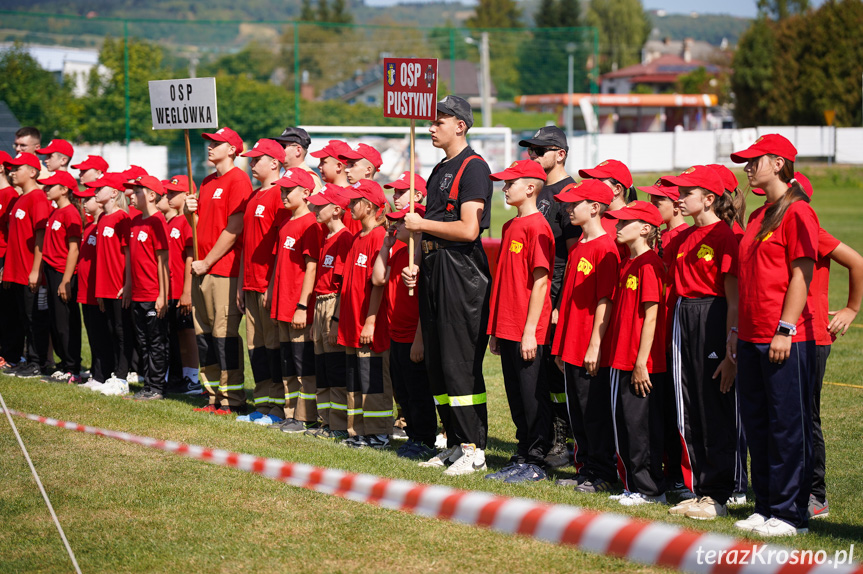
(183, 349)
(297, 252)
(580, 344)
(113, 279)
(776, 352)
(59, 260)
(329, 207)
(519, 317)
(151, 286)
(407, 369)
(332, 168)
(638, 356)
(8, 195)
(101, 354)
(261, 220)
(365, 338)
(705, 316)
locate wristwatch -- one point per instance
(785, 328)
(301, 307)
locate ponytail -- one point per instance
(773, 215)
(632, 194)
(723, 207)
(381, 213)
(739, 201)
(654, 239)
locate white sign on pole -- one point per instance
(184, 104)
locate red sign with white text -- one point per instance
(410, 88)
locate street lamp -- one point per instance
(485, 78)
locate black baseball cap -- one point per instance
(295, 135)
(547, 136)
(458, 107)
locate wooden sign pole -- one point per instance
(194, 221)
(411, 191)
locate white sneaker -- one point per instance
(132, 378)
(620, 496)
(92, 384)
(264, 421)
(440, 460)
(472, 460)
(115, 387)
(637, 499)
(440, 441)
(736, 499)
(777, 527)
(754, 521)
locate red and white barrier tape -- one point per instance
(651, 543)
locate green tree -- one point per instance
(257, 60)
(546, 14)
(568, 13)
(34, 95)
(782, 9)
(340, 14)
(307, 13)
(753, 73)
(496, 14)
(623, 29)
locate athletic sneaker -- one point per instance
(408, 446)
(678, 488)
(355, 442)
(706, 508)
(736, 499)
(818, 509)
(206, 409)
(268, 420)
(399, 433)
(682, 506)
(11, 369)
(92, 385)
(504, 473)
(621, 496)
(62, 378)
(419, 451)
(594, 485)
(132, 377)
(444, 458)
(526, 473)
(637, 499)
(29, 371)
(291, 426)
(330, 434)
(472, 459)
(777, 527)
(148, 395)
(114, 387)
(86, 374)
(189, 387)
(572, 481)
(754, 521)
(378, 441)
(51, 378)
(255, 416)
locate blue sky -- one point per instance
(745, 8)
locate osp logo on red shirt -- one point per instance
(289, 243)
(362, 259)
(328, 261)
(259, 211)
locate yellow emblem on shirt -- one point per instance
(681, 254)
(516, 247)
(585, 266)
(705, 252)
(766, 237)
(632, 282)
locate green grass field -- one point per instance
(126, 508)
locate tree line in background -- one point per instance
(795, 63)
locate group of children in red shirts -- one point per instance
(671, 342)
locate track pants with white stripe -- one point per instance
(589, 404)
(706, 417)
(776, 407)
(638, 433)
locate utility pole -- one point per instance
(486, 81)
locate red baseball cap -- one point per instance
(4, 157)
(698, 176)
(24, 158)
(367, 189)
(268, 147)
(659, 189)
(804, 183)
(637, 210)
(148, 182)
(63, 178)
(61, 146)
(363, 151)
(400, 214)
(609, 168)
(330, 193)
(589, 189)
(134, 172)
(519, 169)
(93, 162)
(334, 148)
(729, 180)
(404, 182)
(178, 183)
(226, 135)
(773, 144)
(296, 177)
(112, 179)
(84, 193)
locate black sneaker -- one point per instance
(186, 387)
(526, 473)
(147, 395)
(10, 370)
(29, 371)
(572, 481)
(594, 486)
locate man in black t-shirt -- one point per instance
(454, 286)
(548, 147)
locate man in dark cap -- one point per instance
(548, 147)
(297, 142)
(454, 286)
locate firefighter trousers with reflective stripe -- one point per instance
(454, 289)
(329, 366)
(298, 373)
(370, 392)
